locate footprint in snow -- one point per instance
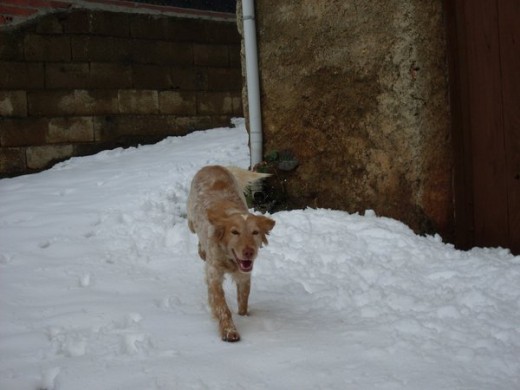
(5, 258)
(44, 244)
(68, 343)
(135, 343)
(85, 280)
(49, 379)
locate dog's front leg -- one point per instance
(219, 307)
(243, 289)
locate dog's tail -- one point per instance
(245, 178)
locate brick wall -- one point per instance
(76, 81)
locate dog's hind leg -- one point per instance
(219, 307)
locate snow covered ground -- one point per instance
(101, 287)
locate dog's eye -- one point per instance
(235, 232)
(255, 232)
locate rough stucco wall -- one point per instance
(357, 90)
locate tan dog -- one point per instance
(229, 236)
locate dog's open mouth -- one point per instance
(244, 265)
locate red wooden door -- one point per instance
(484, 47)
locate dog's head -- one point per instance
(240, 235)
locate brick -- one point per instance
(93, 148)
(126, 51)
(224, 79)
(184, 78)
(107, 23)
(162, 52)
(13, 103)
(12, 161)
(214, 103)
(67, 75)
(120, 128)
(21, 75)
(123, 128)
(77, 22)
(188, 78)
(238, 109)
(11, 45)
(178, 103)
(138, 102)
(115, 24)
(102, 49)
(70, 130)
(23, 131)
(187, 30)
(211, 55)
(202, 122)
(221, 32)
(128, 130)
(235, 56)
(110, 75)
(41, 157)
(152, 77)
(76, 102)
(49, 24)
(47, 48)
(168, 28)
(150, 27)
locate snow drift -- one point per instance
(101, 287)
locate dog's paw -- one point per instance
(230, 335)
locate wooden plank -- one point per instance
(460, 123)
(509, 32)
(487, 127)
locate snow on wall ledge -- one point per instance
(101, 287)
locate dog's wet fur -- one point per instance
(229, 236)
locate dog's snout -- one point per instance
(248, 252)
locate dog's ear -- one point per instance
(265, 224)
(216, 218)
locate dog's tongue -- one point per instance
(245, 265)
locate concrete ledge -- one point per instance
(13, 12)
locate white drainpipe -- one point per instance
(252, 79)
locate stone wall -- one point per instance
(357, 92)
(78, 81)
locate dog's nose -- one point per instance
(248, 252)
